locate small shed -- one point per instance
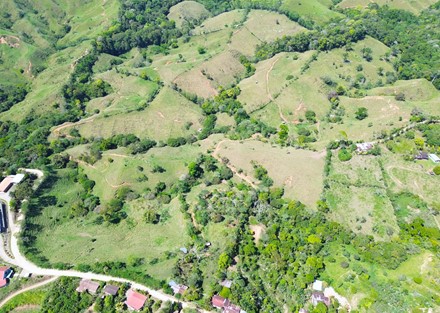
(434, 158)
(317, 285)
(226, 283)
(421, 156)
(111, 290)
(88, 285)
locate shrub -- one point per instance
(344, 155)
(437, 170)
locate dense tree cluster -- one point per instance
(141, 23)
(11, 95)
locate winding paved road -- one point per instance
(20, 261)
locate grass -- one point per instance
(414, 6)
(359, 290)
(358, 198)
(219, 22)
(267, 26)
(187, 11)
(316, 10)
(26, 302)
(411, 176)
(82, 241)
(123, 170)
(298, 171)
(271, 78)
(164, 118)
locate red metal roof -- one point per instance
(3, 270)
(135, 300)
(219, 302)
(3, 282)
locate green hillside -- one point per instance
(277, 142)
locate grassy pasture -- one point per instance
(89, 19)
(270, 79)
(122, 171)
(414, 90)
(129, 93)
(46, 87)
(414, 6)
(411, 176)
(165, 117)
(358, 199)
(317, 10)
(220, 22)
(331, 64)
(360, 291)
(187, 11)
(170, 66)
(267, 26)
(82, 241)
(298, 171)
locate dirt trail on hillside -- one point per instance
(268, 92)
(230, 166)
(56, 131)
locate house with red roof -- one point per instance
(5, 273)
(135, 301)
(225, 305)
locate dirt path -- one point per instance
(35, 286)
(269, 94)
(231, 167)
(56, 131)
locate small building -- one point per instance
(6, 184)
(302, 310)
(421, 156)
(135, 300)
(184, 250)
(88, 285)
(111, 290)
(219, 302)
(224, 304)
(319, 297)
(434, 158)
(3, 218)
(317, 285)
(177, 288)
(364, 147)
(226, 283)
(5, 273)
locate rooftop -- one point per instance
(88, 285)
(135, 300)
(6, 184)
(111, 290)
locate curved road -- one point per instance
(20, 261)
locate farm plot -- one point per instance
(414, 6)
(271, 77)
(81, 241)
(298, 171)
(357, 197)
(229, 20)
(117, 168)
(129, 93)
(166, 117)
(187, 12)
